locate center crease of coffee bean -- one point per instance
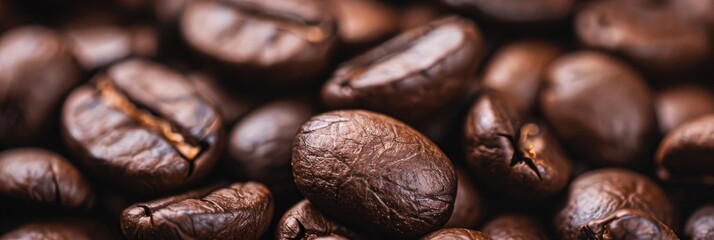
(112, 97)
(525, 155)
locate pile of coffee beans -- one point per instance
(357, 119)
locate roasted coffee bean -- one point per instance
(679, 105)
(648, 32)
(600, 108)
(518, 71)
(233, 105)
(143, 127)
(411, 76)
(511, 156)
(41, 176)
(260, 145)
(597, 195)
(61, 229)
(515, 226)
(364, 22)
(280, 42)
(456, 234)
(468, 205)
(626, 224)
(700, 225)
(686, 153)
(515, 11)
(370, 170)
(36, 71)
(100, 46)
(241, 210)
(303, 221)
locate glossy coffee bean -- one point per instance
(41, 176)
(240, 210)
(143, 127)
(518, 71)
(700, 225)
(62, 229)
(411, 76)
(303, 221)
(685, 154)
(456, 234)
(647, 32)
(232, 105)
(515, 11)
(36, 71)
(600, 108)
(595, 196)
(626, 224)
(678, 105)
(468, 206)
(512, 156)
(515, 226)
(364, 22)
(100, 46)
(372, 171)
(261, 41)
(260, 145)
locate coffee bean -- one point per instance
(362, 23)
(626, 224)
(468, 206)
(372, 171)
(44, 177)
(456, 233)
(678, 105)
(261, 143)
(100, 46)
(600, 108)
(36, 71)
(62, 229)
(303, 221)
(411, 76)
(700, 225)
(515, 226)
(514, 11)
(595, 196)
(240, 210)
(647, 32)
(512, 156)
(518, 70)
(685, 154)
(280, 42)
(143, 126)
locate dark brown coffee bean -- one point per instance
(61, 229)
(36, 71)
(370, 170)
(687, 153)
(260, 145)
(411, 76)
(679, 105)
(468, 205)
(648, 32)
(516, 11)
(262, 40)
(456, 234)
(364, 22)
(100, 46)
(518, 69)
(515, 226)
(303, 221)
(43, 177)
(626, 224)
(233, 105)
(600, 108)
(517, 158)
(700, 225)
(241, 210)
(143, 127)
(598, 194)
